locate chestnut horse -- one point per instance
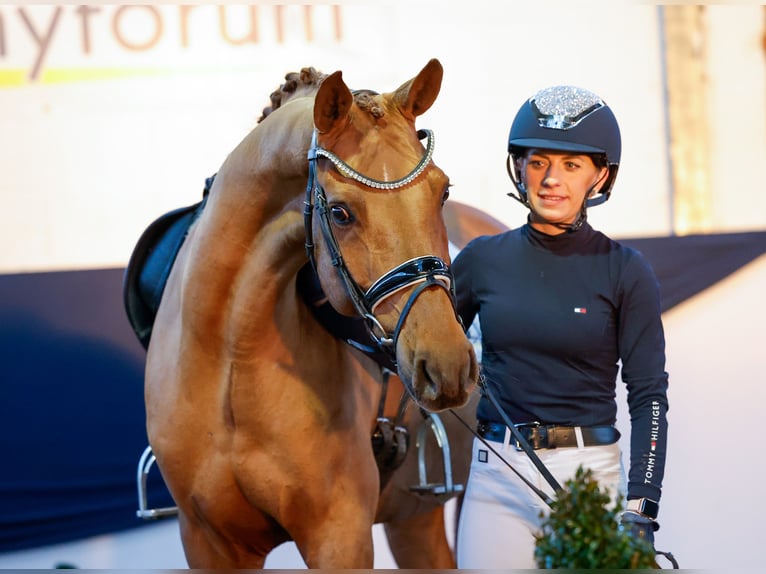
(413, 516)
(259, 418)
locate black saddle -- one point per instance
(150, 265)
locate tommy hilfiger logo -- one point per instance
(654, 435)
(580, 310)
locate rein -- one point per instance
(424, 271)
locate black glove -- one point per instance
(639, 526)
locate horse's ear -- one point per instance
(332, 103)
(417, 95)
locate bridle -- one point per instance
(424, 271)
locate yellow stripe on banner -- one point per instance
(67, 75)
(12, 78)
(17, 78)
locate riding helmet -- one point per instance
(566, 118)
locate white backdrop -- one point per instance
(129, 110)
(88, 163)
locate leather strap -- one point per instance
(523, 444)
(541, 436)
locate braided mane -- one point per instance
(296, 84)
(305, 83)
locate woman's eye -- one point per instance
(341, 215)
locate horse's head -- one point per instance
(381, 243)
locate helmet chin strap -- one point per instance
(582, 217)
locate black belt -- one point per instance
(541, 436)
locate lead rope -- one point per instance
(520, 439)
(545, 498)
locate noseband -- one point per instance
(425, 271)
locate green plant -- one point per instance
(581, 531)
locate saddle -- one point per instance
(149, 266)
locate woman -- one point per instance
(560, 306)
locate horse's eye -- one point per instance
(445, 196)
(341, 215)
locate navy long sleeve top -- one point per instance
(559, 315)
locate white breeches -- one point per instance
(501, 514)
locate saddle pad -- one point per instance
(150, 265)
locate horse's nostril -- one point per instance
(429, 389)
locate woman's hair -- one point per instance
(598, 159)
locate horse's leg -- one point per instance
(201, 551)
(420, 541)
(332, 527)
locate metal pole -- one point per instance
(666, 118)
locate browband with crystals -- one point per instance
(350, 172)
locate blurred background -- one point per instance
(111, 115)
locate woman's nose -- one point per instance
(550, 179)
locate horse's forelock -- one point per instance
(367, 101)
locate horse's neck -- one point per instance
(263, 177)
(259, 175)
(250, 243)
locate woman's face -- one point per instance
(556, 184)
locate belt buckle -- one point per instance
(535, 438)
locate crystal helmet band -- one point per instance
(566, 118)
